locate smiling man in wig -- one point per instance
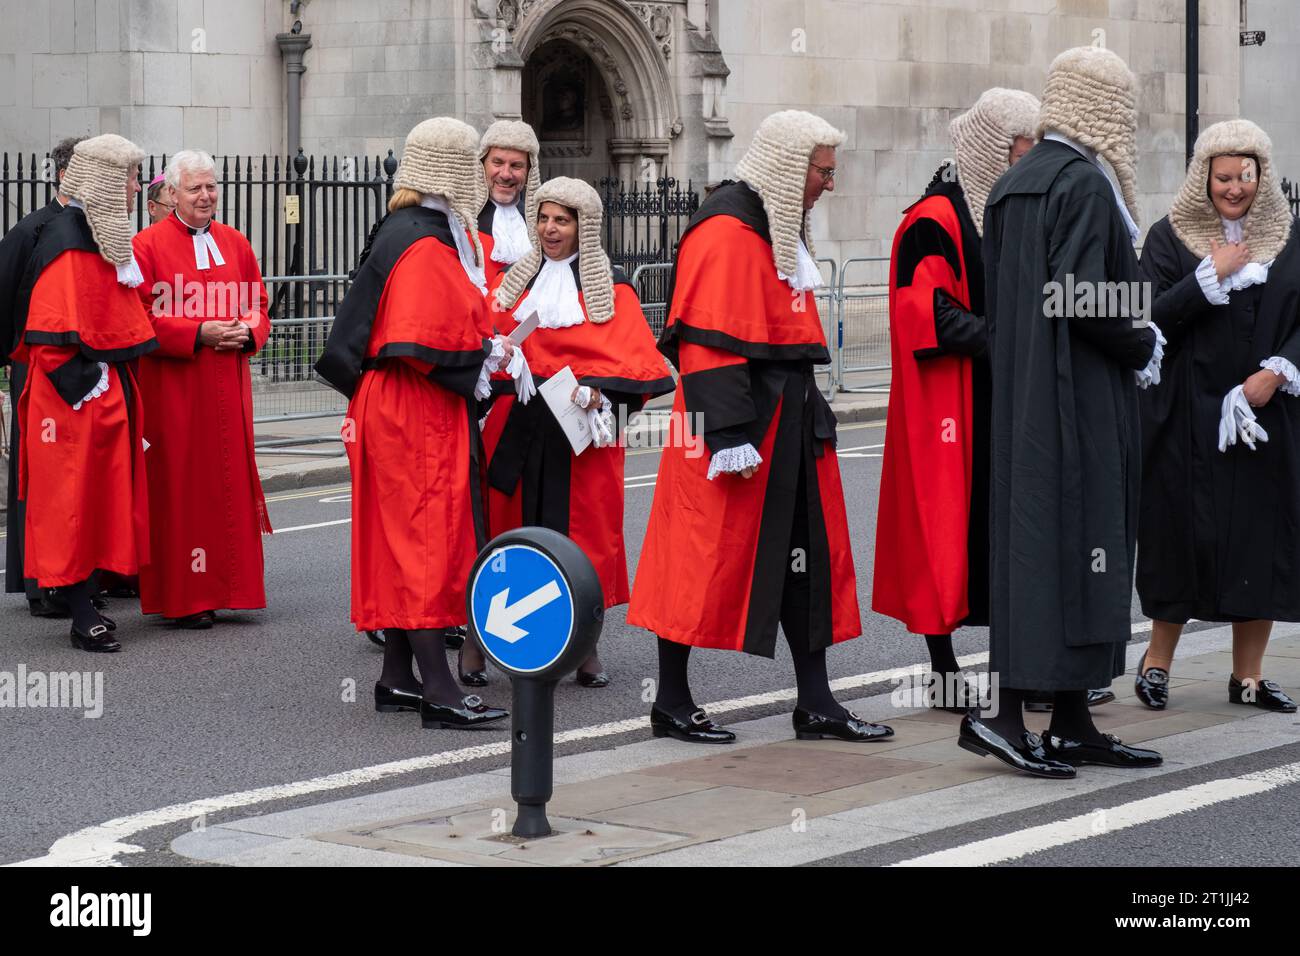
(508, 223)
(754, 533)
(932, 533)
(1066, 458)
(204, 292)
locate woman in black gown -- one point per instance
(1219, 526)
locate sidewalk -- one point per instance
(284, 470)
(767, 801)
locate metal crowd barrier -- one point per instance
(863, 344)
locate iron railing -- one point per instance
(644, 221)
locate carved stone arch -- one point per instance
(630, 61)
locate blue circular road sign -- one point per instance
(535, 603)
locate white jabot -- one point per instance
(1091, 156)
(807, 276)
(205, 247)
(555, 293)
(509, 234)
(128, 273)
(1252, 273)
(464, 248)
(1234, 230)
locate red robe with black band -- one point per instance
(206, 505)
(82, 469)
(406, 347)
(716, 554)
(932, 538)
(533, 476)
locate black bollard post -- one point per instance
(531, 753)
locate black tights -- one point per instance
(78, 596)
(429, 650)
(1070, 715)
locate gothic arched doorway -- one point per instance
(563, 97)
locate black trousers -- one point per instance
(16, 511)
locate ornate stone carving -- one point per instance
(600, 54)
(658, 18)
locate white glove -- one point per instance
(517, 368)
(731, 461)
(523, 376)
(1238, 421)
(1151, 374)
(100, 387)
(600, 417)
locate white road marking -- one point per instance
(1012, 846)
(101, 845)
(308, 527)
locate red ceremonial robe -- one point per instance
(714, 565)
(406, 347)
(932, 541)
(81, 473)
(207, 511)
(533, 476)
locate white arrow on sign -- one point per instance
(501, 619)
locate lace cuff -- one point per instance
(1284, 367)
(483, 388)
(733, 460)
(1215, 292)
(100, 387)
(1151, 374)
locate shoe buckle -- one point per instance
(99, 630)
(472, 701)
(699, 718)
(1156, 676)
(1033, 739)
(1112, 738)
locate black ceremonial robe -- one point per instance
(1219, 532)
(15, 294)
(1066, 456)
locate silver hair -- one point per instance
(193, 160)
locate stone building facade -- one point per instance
(633, 89)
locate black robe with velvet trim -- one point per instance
(1066, 452)
(16, 251)
(1219, 532)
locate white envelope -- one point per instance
(557, 392)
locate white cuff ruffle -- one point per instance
(100, 387)
(1151, 374)
(731, 461)
(1252, 273)
(1215, 292)
(1284, 367)
(483, 388)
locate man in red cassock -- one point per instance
(81, 471)
(204, 292)
(755, 532)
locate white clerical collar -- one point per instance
(128, 273)
(464, 248)
(1091, 156)
(555, 293)
(205, 247)
(509, 234)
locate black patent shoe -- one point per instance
(1028, 755)
(1151, 686)
(811, 726)
(453, 638)
(195, 622)
(42, 607)
(697, 730)
(475, 678)
(955, 698)
(1111, 752)
(390, 700)
(592, 679)
(96, 641)
(471, 713)
(1101, 695)
(1266, 695)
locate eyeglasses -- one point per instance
(164, 205)
(828, 172)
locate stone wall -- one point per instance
(1270, 80)
(892, 76)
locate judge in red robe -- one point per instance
(81, 473)
(508, 220)
(753, 531)
(204, 293)
(932, 532)
(410, 348)
(590, 322)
